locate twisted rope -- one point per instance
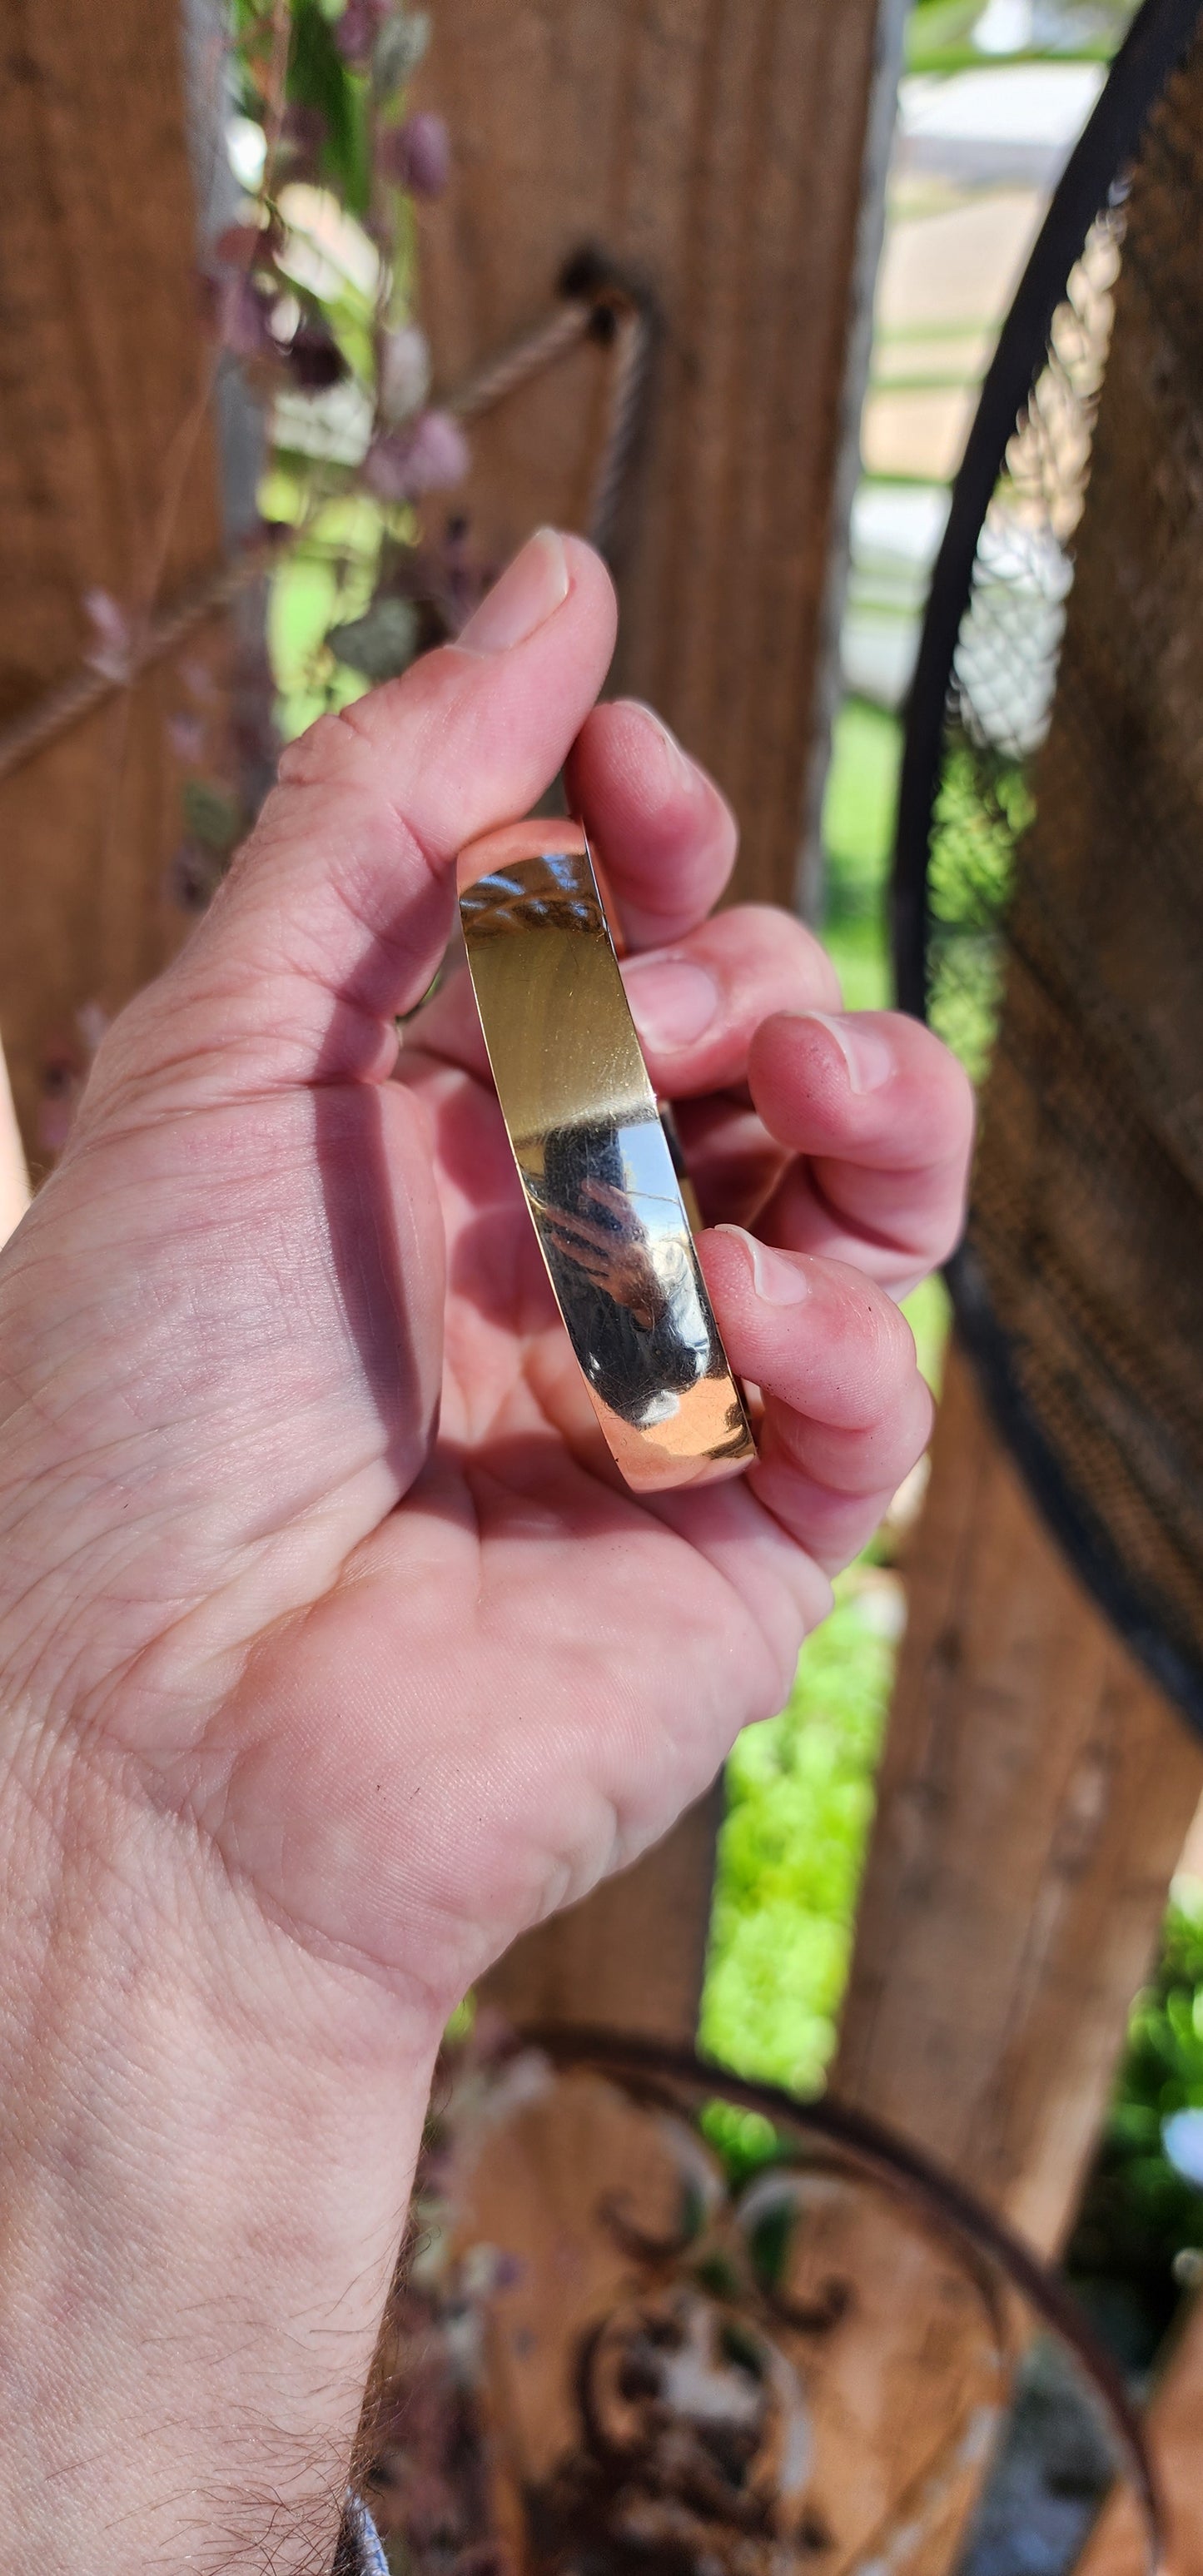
(501, 376)
(628, 397)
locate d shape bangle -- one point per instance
(604, 1189)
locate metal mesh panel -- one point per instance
(1063, 904)
(1007, 656)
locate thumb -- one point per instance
(338, 908)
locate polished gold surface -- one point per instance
(594, 1159)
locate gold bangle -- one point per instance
(605, 1193)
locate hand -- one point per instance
(333, 1653)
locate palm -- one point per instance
(565, 1665)
(410, 1686)
(558, 1667)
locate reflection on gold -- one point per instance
(708, 1436)
(612, 1257)
(594, 1159)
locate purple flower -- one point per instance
(428, 457)
(417, 155)
(186, 734)
(112, 642)
(356, 31)
(314, 358)
(240, 245)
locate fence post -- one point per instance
(1034, 1799)
(718, 154)
(107, 482)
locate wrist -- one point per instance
(208, 2139)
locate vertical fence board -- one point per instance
(714, 147)
(1119, 2545)
(1035, 1797)
(106, 481)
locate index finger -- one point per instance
(665, 835)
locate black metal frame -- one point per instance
(673, 2077)
(1156, 42)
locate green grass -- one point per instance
(799, 1805)
(858, 834)
(800, 1795)
(939, 35)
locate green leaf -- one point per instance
(318, 77)
(211, 815)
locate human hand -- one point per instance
(465, 1672)
(332, 1651)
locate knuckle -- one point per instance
(318, 754)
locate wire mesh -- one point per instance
(1062, 907)
(1007, 656)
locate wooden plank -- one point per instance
(1119, 2545)
(1034, 1799)
(715, 148)
(106, 481)
(633, 1954)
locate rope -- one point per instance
(527, 357)
(628, 394)
(603, 308)
(89, 687)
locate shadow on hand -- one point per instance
(359, 1200)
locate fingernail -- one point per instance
(672, 1000)
(775, 1278)
(528, 593)
(867, 1054)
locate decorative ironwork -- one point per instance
(612, 2352)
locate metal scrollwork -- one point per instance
(613, 2355)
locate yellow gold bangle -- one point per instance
(605, 1193)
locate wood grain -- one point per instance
(1035, 1796)
(106, 480)
(1118, 2545)
(715, 149)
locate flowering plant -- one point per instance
(313, 291)
(308, 294)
